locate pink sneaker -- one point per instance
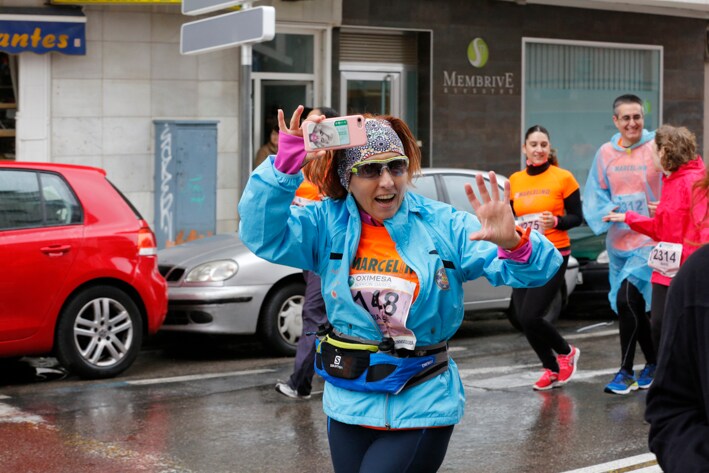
(547, 381)
(567, 365)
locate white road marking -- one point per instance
(591, 327)
(602, 333)
(194, 377)
(645, 463)
(516, 376)
(13, 415)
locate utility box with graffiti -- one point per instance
(185, 180)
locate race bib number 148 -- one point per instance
(388, 300)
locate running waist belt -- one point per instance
(359, 365)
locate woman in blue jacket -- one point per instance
(392, 265)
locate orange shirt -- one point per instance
(383, 284)
(544, 192)
(305, 193)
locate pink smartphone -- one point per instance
(334, 133)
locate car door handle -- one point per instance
(56, 250)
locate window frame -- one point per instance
(590, 44)
(42, 201)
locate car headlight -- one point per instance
(214, 271)
(603, 257)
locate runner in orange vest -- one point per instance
(547, 199)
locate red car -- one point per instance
(79, 277)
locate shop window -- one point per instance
(8, 105)
(292, 53)
(569, 89)
(283, 74)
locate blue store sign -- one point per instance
(42, 30)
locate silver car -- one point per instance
(217, 286)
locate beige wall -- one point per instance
(102, 105)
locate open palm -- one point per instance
(495, 215)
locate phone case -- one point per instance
(335, 133)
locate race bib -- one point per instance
(636, 202)
(532, 221)
(388, 300)
(665, 258)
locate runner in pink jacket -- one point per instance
(675, 225)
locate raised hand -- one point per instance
(294, 129)
(495, 215)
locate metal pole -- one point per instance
(245, 114)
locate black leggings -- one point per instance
(634, 326)
(357, 449)
(530, 306)
(657, 310)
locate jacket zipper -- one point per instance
(353, 252)
(387, 425)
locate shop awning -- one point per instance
(42, 30)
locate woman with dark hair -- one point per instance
(270, 146)
(547, 199)
(674, 226)
(392, 265)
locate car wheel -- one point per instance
(99, 333)
(551, 315)
(282, 319)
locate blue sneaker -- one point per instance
(623, 383)
(646, 376)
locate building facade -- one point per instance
(469, 76)
(497, 67)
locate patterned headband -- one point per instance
(381, 138)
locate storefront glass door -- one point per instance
(284, 76)
(269, 96)
(371, 92)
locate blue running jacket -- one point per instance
(323, 237)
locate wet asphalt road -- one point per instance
(195, 405)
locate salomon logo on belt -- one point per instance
(336, 362)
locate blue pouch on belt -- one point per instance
(360, 366)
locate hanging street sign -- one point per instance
(225, 31)
(199, 7)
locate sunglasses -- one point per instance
(373, 168)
